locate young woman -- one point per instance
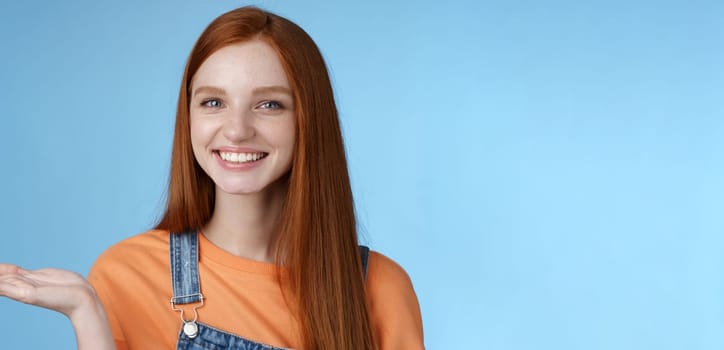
(258, 247)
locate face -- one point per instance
(242, 118)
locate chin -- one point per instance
(240, 190)
(251, 187)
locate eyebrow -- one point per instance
(273, 89)
(260, 90)
(208, 89)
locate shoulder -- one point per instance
(134, 253)
(382, 272)
(393, 304)
(129, 277)
(387, 280)
(152, 241)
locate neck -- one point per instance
(246, 225)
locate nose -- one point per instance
(239, 126)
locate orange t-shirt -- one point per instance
(241, 296)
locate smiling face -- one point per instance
(242, 117)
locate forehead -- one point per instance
(240, 66)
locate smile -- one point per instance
(242, 157)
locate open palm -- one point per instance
(60, 290)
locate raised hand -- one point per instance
(64, 291)
(60, 290)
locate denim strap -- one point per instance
(184, 251)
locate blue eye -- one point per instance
(270, 105)
(211, 103)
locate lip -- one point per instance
(237, 166)
(238, 150)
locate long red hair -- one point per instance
(318, 237)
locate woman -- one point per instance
(257, 248)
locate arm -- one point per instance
(65, 292)
(393, 305)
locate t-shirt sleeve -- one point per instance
(99, 279)
(394, 308)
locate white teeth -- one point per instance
(240, 157)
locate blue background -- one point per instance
(549, 173)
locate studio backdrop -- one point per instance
(549, 173)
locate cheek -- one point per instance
(287, 137)
(289, 131)
(195, 137)
(281, 134)
(200, 137)
(282, 137)
(290, 135)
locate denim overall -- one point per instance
(184, 251)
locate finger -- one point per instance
(56, 276)
(19, 281)
(16, 288)
(6, 269)
(63, 299)
(49, 272)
